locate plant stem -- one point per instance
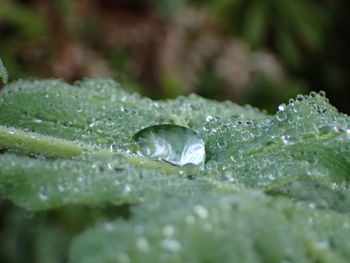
(34, 143)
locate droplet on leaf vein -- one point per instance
(171, 143)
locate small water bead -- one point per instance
(322, 93)
(44, 194)
(61, 188)
(281, 116)
(282, 107)
(287, 140)
(171, 244)
(222, 144)
(229, 177)
(168, 230)
(211, 165)
(201, 211)
(209, 118)
(126, 189)
(300, 97)
(312, 94)
(142, 244)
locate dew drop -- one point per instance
(171, 245)
(282, 107)
(201, 211)
(313, 94)
(43, 194)
(142, 244)
(126, 189)
(171, 143)
(281, 116)
(168, 230)
(222, 144)
(209, 118)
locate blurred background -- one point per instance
(260, 52)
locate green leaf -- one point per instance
(306, 138)
(50, 119)
(41, 184)
(3, 73)
(67, 145)
(172, 143)
(242, 227)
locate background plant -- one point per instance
(221, 49)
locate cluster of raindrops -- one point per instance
(96, 112)
(293, 143)
(88, 179)
(195, 110)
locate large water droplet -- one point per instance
(171, 143)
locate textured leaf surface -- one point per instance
(53, 119)
(92, 179)
(64, 145)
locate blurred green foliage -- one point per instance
(286, 26)
(64, 38)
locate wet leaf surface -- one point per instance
(266, 182)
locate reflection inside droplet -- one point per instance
(171, 143)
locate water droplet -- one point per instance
(282, 107)
(313, 94)
(171, 245)
(43, 194)
(229, 177)
(201, 211)
(211, 165)
(171, 143)
(127, 189)
(287, 140)
(142, 244)
(168, 230)
(222, 144)
(281, 116)
(38, 121)
(209, 118)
